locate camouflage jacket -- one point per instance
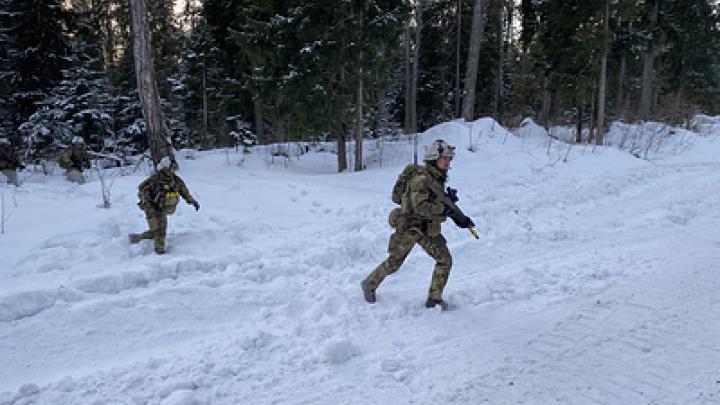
(151, 191)
(8, 158)
(75, 157)
(421, 210)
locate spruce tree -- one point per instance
(33, 51)
(82, 103)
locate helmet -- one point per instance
(438, 149)
(78, 140)
(166, 163)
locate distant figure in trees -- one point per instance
(74, 159)
(9, 162)
(159, 195)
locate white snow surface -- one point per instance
(595, 281)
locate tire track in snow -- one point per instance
(645, 343)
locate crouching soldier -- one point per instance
(74, 159)
(9, 162)
(159, 198)
(424, 205)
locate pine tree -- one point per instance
(199, 94)
(82, 104)
(690, 60)
(301, 62)
(33, 53)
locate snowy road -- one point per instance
(594, 282)
(652, 340)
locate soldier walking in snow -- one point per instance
(424, 205)
(74, 159)
(9, 162)
(159, 198)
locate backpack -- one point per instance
(162, 195)
(400, 188)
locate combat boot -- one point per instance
(431, 303)
(159, 247)
(135, 237)
(368, 292)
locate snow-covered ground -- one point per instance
(594, 281)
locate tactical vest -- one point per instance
(169, 198)
(163, 194)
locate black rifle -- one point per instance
(449, 199)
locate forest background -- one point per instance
(245, 72)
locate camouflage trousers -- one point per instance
(12, 177)
(401, 243)
(75, 176)
(157, 222)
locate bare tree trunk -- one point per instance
(546, 102)
(648, 64)
(501, 61)
(621, 87)
(579, 126)
(415, 75)
(147, 85)
(408, 80)
(591, 127)
(205, 111)
(258, 118)
(281, 124)
(476, 37)
(444, 107)
(603, 78)
(457, 59)
(107, 36)
(359, 124)
(510, 11)
(416, 67)
(380, 93)
(556, 107)
(381, 108)
(342, 148)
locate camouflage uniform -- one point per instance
(9, 163)
(419, 222)
(74, 159)
(157, 208)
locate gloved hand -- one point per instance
(446, 210)
(466, 223)
(451, 193)
(196, 205)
